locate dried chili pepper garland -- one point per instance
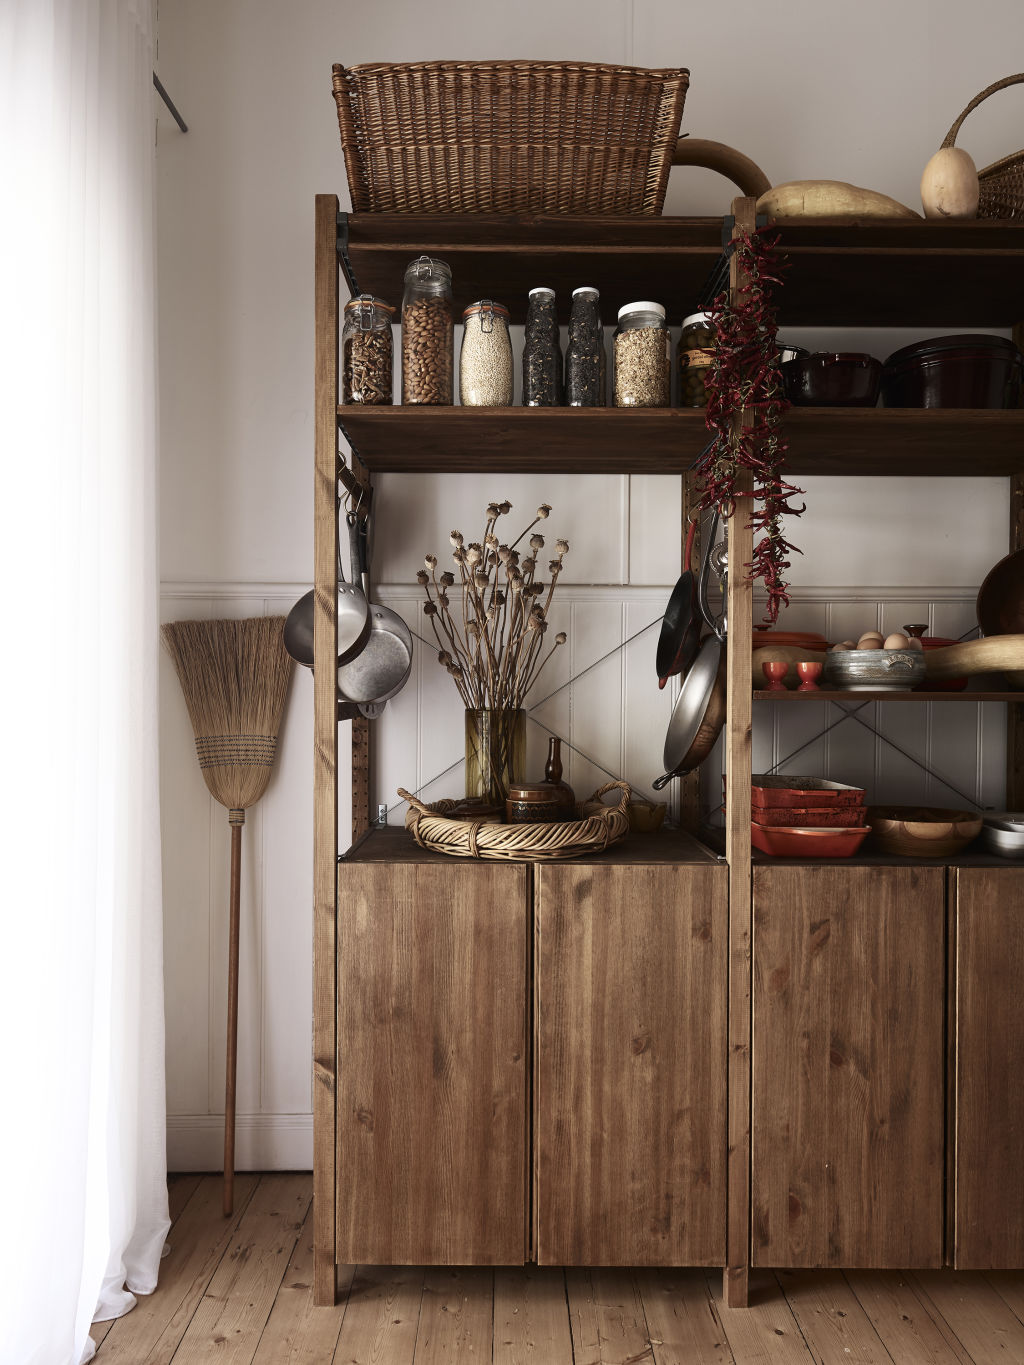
(745, 375)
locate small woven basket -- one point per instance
(1001, 185)
(433, 830)
(508, 137)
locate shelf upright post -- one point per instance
(739, 706)
(325, 752)
(689, 786)
(1015, 711)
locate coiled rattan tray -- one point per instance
(595, 831)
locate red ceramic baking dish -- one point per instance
(809, 817)
(797, 842)
(827, 379)
(966, 370)
(801, 792)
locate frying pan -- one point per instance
(680, 629)
(698, 715)
(383, 666)
(353, 623)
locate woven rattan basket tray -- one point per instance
(1001, 185)
(432, 829)
(508, 137)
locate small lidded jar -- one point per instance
(584, 356)
(542, 355)
(485, 361)
(366, 351)
(428, 333)
(695, 354)
(643, 357)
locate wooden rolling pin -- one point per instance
(995, 654)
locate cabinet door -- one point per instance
(988, 1160)
(848, 1061)
(630, 1058)
(432, 1064)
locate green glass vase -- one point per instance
(495, 753)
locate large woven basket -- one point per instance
(1001, 185)
(432, 829)
(508, 137)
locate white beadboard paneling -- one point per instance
(263, 1142)
(655, 540)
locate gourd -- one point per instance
(949, 185)
(829, 199)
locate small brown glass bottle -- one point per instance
(562, 793)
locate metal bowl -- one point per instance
(873, 670)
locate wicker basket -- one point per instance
(508, 137)
(433, 830)
(1001, 185)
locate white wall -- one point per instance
(808, 89)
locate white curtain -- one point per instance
(82, 1146)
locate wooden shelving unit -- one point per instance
(907, 273)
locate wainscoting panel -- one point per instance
(598, 692)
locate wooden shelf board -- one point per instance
(883, 694)
(673, 846)
(965, 859)
(889, 273)
(822, 441)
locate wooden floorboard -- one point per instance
(239, 1291)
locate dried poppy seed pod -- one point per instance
(542, 511)
(429, 609)
(455, 537)
(561, 638)
(504, 553)
(474, 554)
(481, 579)
(554, 567)
(562, 546)
(491, 540)
(447, 579)
(422, 578)
(504, 508)
(536, 542)
(430, 561)
(459, 555)
(493, 511)
(529, 564)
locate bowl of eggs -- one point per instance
(874, 663)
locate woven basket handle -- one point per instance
(950, 137)
(624, 790)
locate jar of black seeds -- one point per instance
(542, 355)
(584, 358)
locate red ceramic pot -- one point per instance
(847, 379)
(966, 370)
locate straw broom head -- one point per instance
(234, 675)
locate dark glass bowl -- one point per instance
(847, 379)
(968, 370)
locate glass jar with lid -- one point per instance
(643, 358)
(695, 355)
(584, 358)
(366, 351)
(428, 333)
(542, 355)
(485, 361)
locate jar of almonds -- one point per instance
(366, 351)
(427, 333)
(643, 362)
(485, 361)
(695, 354)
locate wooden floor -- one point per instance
(238, 1290)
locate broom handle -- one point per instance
(232, 1048)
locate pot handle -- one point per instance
(662, 781)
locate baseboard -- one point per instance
(263, 1142)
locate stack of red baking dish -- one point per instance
(806, 817)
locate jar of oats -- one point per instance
(485, 361)
(427, 333)
(366, 351)
(643, 361)
(695, 353)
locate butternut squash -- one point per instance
(949, 185)
(829, 199)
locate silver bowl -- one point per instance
(873, 670)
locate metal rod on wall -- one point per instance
(170, 103)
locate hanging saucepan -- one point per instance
(698, 715)
(383, 666)
(680, 629)
(353, 623)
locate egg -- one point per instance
(897, 640)
(844, 644)
(914, 643)
(871, 639)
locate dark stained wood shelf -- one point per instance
(843, 441)
(843, 274)
(674, 846)
(883, 694)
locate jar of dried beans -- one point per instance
(366, 351)
(584, 358)
(485, 361)
(643, 361)
(542, 355)
(427, 333)
(695, 354)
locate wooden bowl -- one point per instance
(1000, 604)
(922, 831)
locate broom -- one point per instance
(234, 675)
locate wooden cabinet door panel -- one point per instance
(630, 1059)
(848, 1061)
(988, 1161)
(432, 1015)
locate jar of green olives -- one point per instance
(695, 355)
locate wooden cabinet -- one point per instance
(432, 1037)
(848, 1066)
(988, 1121)
(630, 1064)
